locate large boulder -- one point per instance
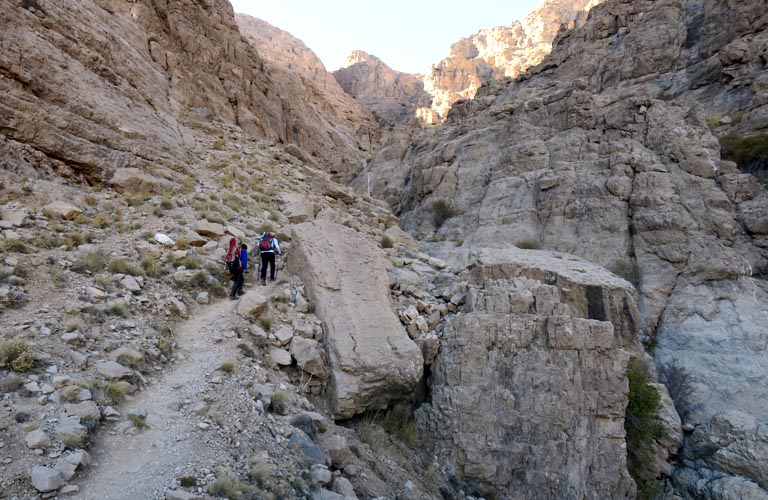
(134, 180)
(528, 396)
(371, 358)
(62, 209)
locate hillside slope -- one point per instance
(104, 85)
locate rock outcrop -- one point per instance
(392, 96)
(495, 53)
(528, 392)
(372, 360)
(599, 152)
(297, 71)
(104, 85)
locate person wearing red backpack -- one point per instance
(238, 266)
(268, 245)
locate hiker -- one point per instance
(238, 267)
(267, 248)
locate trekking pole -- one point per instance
(217, 261)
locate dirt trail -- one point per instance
(142, 466)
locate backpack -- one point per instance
(235, 264)
(265, 245)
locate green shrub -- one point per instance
(399, 422)
(166, 203)
(219, 144)
(118, 309)
(94, 262)
(749, 152)
(528, 244)
(151, 267)
(266, 322)
(227, 366)
(16, 355)
(643, 427)
(260, 473)
(277, 403)
(138, 421)
(232, 488)
(122, 266)
(114, 394)
(386, 242)
(187, 481)
(189, 262)
(442, 211)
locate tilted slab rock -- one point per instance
(134, 180)
(372, 360)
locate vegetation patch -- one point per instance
(643, 427)
(528, 244)
(442, 210)
(16, 355)
(93, 262)
(122, 266)
(750, 153)
(114, 394)
(232, 488)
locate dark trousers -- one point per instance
(267, 258)
(237, 286)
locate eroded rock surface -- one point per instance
(529, 389)
(371, 358)
(600, 152)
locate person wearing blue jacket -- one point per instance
(238, 276)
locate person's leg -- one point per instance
(272, 266)
(240, 283)
(236, 280)
(264, 260)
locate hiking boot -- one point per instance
(232, 297)
(240, 293)
(263, 282)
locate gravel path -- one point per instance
(142, 466)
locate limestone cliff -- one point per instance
(604, 151)
(504, 51)
(298, 72)
(101, 85)
(392, 96)
(492, 53)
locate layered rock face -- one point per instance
(599, 152)
(495, 53)
(392, 96)
(297, 71)
(528, 391)
(373, 361)
(103, 85)
(504, 51)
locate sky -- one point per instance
(408, 35)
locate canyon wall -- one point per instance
(605, 151)
(101, 85)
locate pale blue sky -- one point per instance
(408, 35)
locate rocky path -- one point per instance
(141, 466)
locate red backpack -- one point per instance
(265, 245)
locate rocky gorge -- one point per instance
(472, 315)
